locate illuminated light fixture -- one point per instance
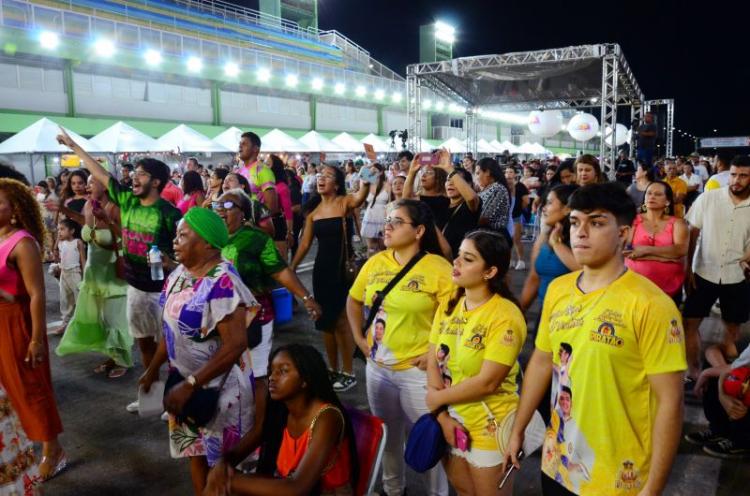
(594, 100)
(231, 69)
(194, 64)
(396, 97)
(104, 48)
(263, 75)
(361, 91)
(371, 66)
(439, 106)
(49, 40)
(379, 94)
(426, 104)
(445, 32)
(339, 89)
(454, 108)
(317, 84)
(292, 80)
(153, 57)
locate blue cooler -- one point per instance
(282, 305)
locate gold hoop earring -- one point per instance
(13, 221)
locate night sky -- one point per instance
(695, 52)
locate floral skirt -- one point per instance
(19, 472)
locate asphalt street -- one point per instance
(112, 452)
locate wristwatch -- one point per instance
(191, 380)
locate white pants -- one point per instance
(398, 397)
(70, 279)
(144, 314)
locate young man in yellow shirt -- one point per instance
(615, 422)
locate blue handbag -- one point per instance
(426, 444)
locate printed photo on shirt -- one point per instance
(443, 356)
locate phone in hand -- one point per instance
(462, 439)
(509, 470)
(429, 159)
(365, 174)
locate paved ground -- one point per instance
(112, 452)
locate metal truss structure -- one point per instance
(578, 77)
(669, 133)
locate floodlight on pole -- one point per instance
(263, 75)
(339, 89)
(361, 91)
(49, 40)
(379, 94)
(153, 57)
(292, 80)
(317, 84)
(231, 69)
(445, 32)
(104, 48)
(194, 64)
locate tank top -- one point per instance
(548, 266)
(335, 475)
(70, 258)
(668, 275)
(10, 279)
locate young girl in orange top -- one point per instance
(307, 444)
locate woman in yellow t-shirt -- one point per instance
(473, 363)
(397, 341)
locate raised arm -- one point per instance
(94, 167)
(465, 189)
(357, 199)
(409, 184)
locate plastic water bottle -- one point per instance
(154, 259)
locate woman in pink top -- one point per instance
(24, 355)
(659, 242)
(192, 187)
(283, 222)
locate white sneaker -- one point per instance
(165, 417)
(132, 407)
(520, 265)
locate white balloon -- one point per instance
(621, 137)
(583, 127)
(545, 123)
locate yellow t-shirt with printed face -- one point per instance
(604, 345)
(401, 329)
(463, 340)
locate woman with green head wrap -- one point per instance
(206, 308)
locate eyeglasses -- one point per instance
(394, 222)
(226, 205)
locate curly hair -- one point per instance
(25, 209)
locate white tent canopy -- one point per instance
(122, 138)
(505, 145)
(277, 140)
(539, 149)
(348, 143)
(41, 137)
(318, 143)
(454, 145)
(484, 147)
(188, 140)
(527, 149)
(377, 144)
(230, 138)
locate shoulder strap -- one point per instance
(380, 295)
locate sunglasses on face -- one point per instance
(225, 205)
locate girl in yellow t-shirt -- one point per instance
(473, 363)
(396, 343)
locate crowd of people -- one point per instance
(411, 274)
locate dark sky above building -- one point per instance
(695, 52)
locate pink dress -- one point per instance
(186, 204)
(668, 275)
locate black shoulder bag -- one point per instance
(380, 295)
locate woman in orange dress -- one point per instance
(24, 356)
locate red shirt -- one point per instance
(172, 193)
